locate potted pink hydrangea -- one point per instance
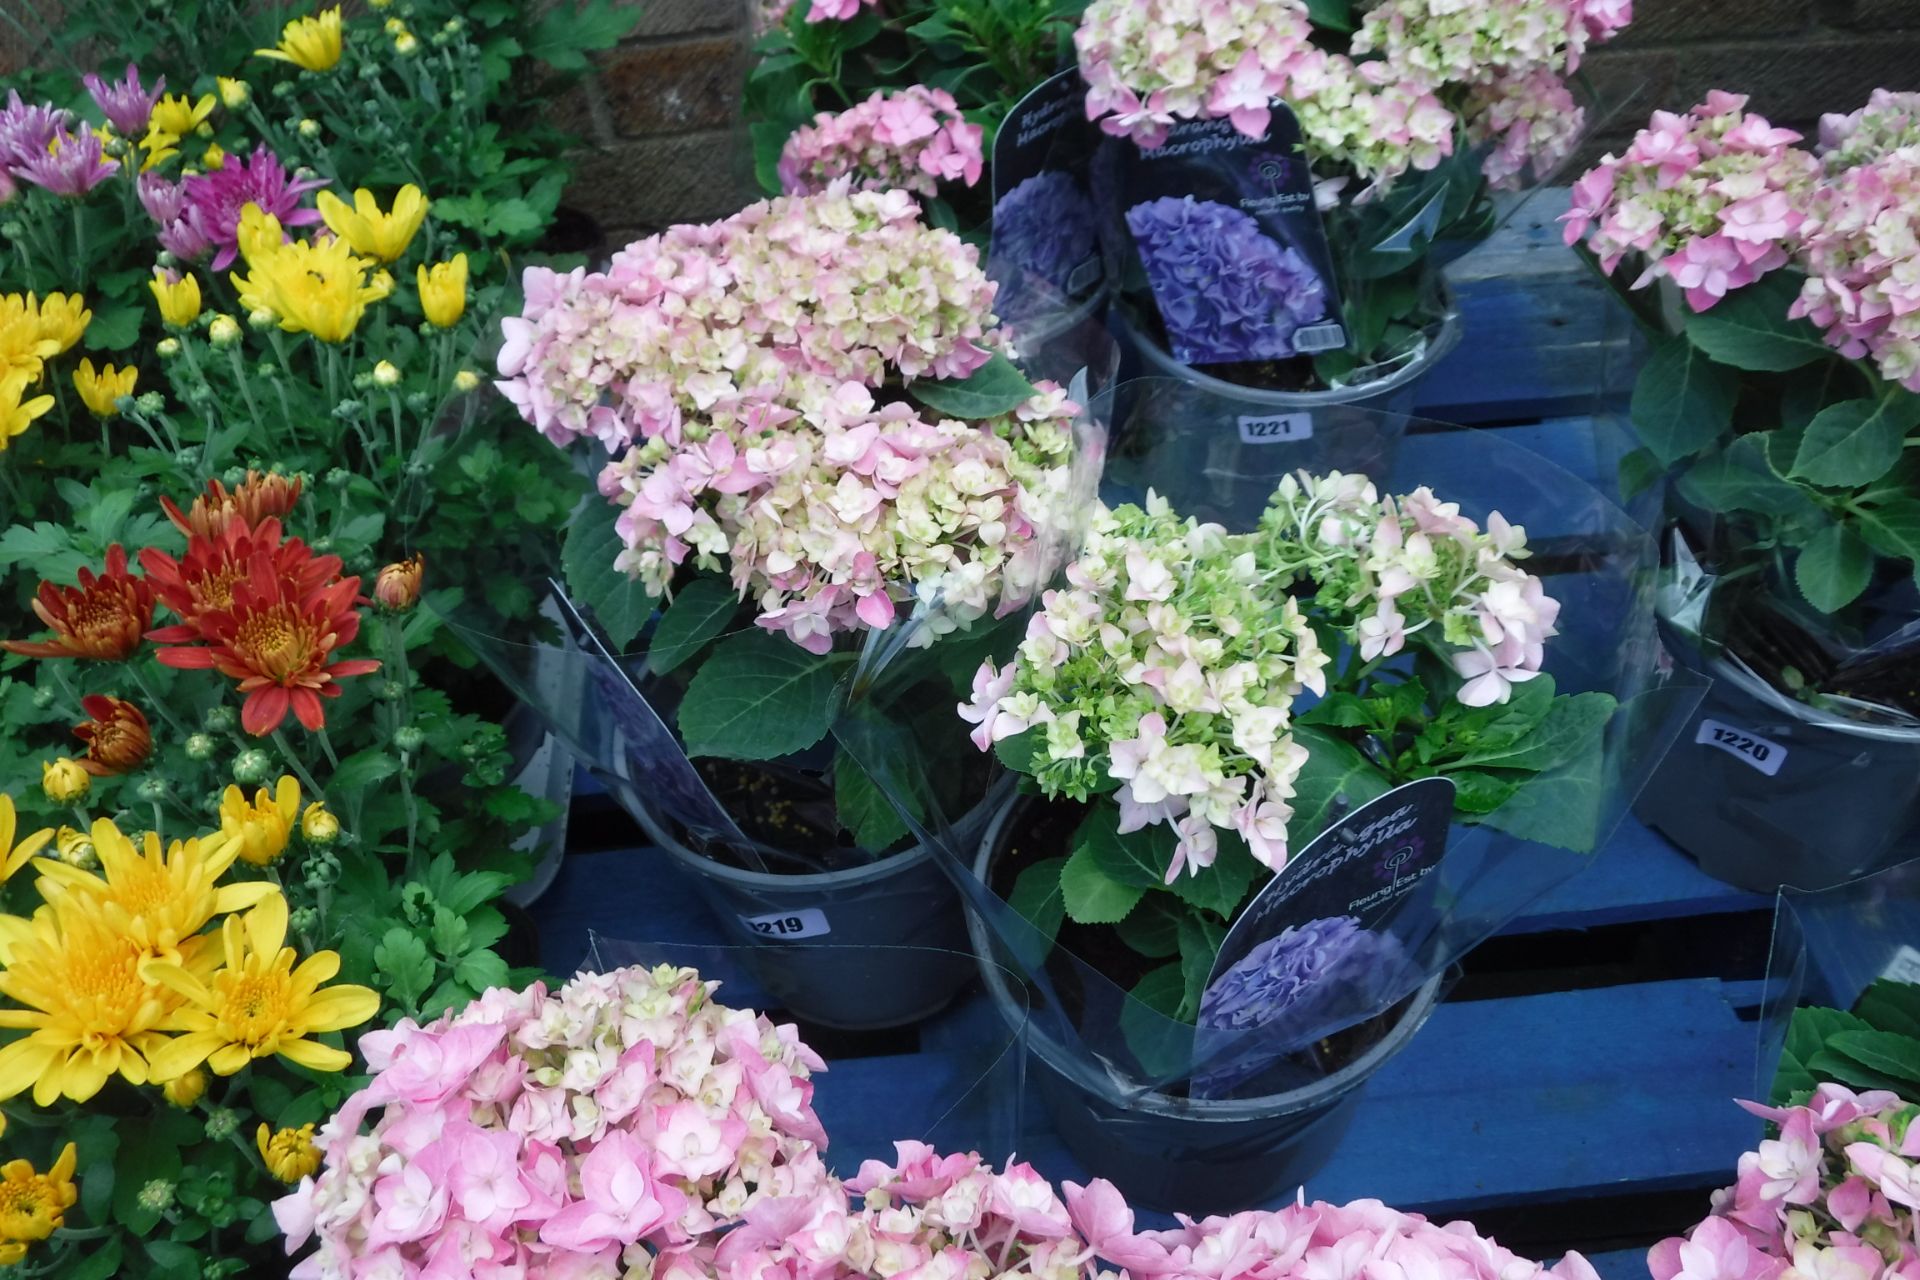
(812, 439)
(1781, 400)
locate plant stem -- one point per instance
(159, 703)
(299, 770)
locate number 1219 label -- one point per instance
(808, 922)
(1760, 753)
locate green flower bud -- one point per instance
(201, 746)
(222, 1123)
(156, 1196)
(409, 738)
(339, 477)
(220, 719)
(150, 402)
(152, 788)
(252, 766)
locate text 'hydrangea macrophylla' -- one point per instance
(1171, 660)
(912, 139)
(628, 1111)
(1303, 1241)
(1713, 199)
(1226, 291)
(1833, 1192)
(732, 370)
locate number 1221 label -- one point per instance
(1750, 748)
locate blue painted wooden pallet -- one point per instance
(1575, 1088)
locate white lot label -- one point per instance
(808, 923)
(1275, 428)
(1763, 755)
(1904, 967)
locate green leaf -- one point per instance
(868, 816)
(1887, 1052)
(101, 1262)
(1200, 941)
(1038, 898)
(1339, 708)
(1749, 329)
(360, 771)
(1476, 792)
(1739, 478)
(565, 34)
(1091, 896)
(757, 697)
(480, 970)
(1152, 929)
(1560, 808)
(1639, 472)
(1856, 442)
(1019, 752)
(1893, 528)
(996, 387)
(1891, 1006)
(1138, 858)
(1333, 770)
(1834, 568)
(699, 612)
(1569, 727)
(404, 965)
(115, 327)
(1331, 15)
(1220, 887)
(1161, 1045)
(619, 603)
(1807, 1034)
(1682, 401)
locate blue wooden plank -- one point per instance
(1638, 875)
(1623, 1264)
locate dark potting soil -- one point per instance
(1039, 829)
(1296, 374)
(1773, 644)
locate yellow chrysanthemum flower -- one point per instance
(158, 147)
(258, 1004)
(312, 44)
(184, 1091)
(214, 157)
(88, 1012)
(34, 1205)
(63, 318)
(63, 781)
(23, 344)
(443, 291)
(233, 93)
(101, 391)
(260, 830)
(159, 900)
(17, 412)
(14, 856)
(290, 1154)
(179, 299)
(179, 115)
(382, 236)
(321, 289)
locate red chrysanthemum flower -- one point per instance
(261, 496)
(118, 737)
(203, 579)
(103, 618)
(278, 638)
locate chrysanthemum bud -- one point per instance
(64, 781)
(318, 825)
(309, 127)
(156, 1195)
(385, 374)
(398, 586)
(75, 848)
(252, 766)
(224, 331)
(233, 93)
(152, 787)
(465, 380)
(222, 1123)
(201, 746)
(408, 738)
(219, 719)
(167, 348)
(150, 402)
(404, 44)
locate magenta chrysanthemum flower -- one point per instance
(70, 166)
(214, 200)
(125, 104)
(27, 129)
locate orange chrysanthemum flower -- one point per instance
(118, 737)
(103, 618)
(278, 639)
(261, 496)
(204, 579)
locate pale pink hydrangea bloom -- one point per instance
(912, 139)
(1832, 1194)
(1527, 122)
(1712, 199)
(1444, 42)
(542, 1133)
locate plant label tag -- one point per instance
(1904, 967)
(785, 926)
(1749, 748)
(1311, 953)
(1045, 254)
(1275, 428)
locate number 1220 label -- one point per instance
(1762, 754)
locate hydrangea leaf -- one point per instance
(1091, 896)
(1834, 568)
(1334, 770)
(1893, 529)
(1682, 401)
(996, 387)
(1200, 941)
(759, 696)
(1807, 1034)
(866, 814)
(1560, 808)
(620, 604)
(1570, 725)
(1891, 1006)
(1038, 897)
(1749, 328)
(1152, 929)
(1856, 442)
(1739, 478)
(1162, 1045)
(700, 611)
(1220, 887)
(1138, 858)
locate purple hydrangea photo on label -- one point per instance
(1226, 291)
(1042, 230)
(1303, 976)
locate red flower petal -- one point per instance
(264, 710)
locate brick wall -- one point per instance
(665, 145)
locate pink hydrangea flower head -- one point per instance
(910, 139)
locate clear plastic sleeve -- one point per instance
(1596, 561)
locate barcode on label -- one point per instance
(1275, 428)
(1750, 748)
(1904, 967)
(1319, 337)
(809, 922)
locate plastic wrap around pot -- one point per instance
(1595, 560)
(958, 1087)
(1829, 946)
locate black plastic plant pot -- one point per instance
(1765, 792)
(813, 937)
(1180, 1154)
